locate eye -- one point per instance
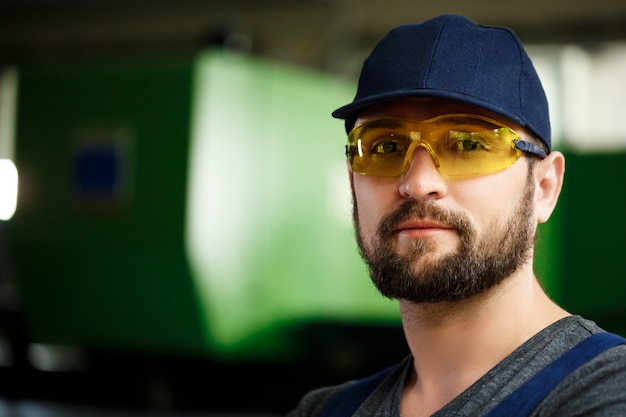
(469, 145)
(469, 141)
(386, 145)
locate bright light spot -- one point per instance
(585, 89)
(8, 189)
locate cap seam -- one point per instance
(519, 76)
(426, 80)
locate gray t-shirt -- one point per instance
(596, 389)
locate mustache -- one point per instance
(414, 209)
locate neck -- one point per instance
(454, 344)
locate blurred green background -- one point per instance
(187, 212)
(202, 207)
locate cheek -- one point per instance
(373, 200)
(491, 200)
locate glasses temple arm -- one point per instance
(525, 146)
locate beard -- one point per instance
(479, 263)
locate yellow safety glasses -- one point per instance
(460, 145)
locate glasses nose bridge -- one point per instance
(416, 142)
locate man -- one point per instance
(451, 170)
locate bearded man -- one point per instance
(451, 168)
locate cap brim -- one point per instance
(351, 111)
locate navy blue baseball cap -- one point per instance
(454, 58)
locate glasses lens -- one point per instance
(461, 145)
(379, 147)
(469, 145)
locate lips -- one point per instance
(421, 228)
(414, 219)
(421, 224)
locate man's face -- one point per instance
(427, 238)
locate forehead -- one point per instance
(424, 108)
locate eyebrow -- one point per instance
(381, 123)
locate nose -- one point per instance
(422, 178)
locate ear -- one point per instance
(548, 175)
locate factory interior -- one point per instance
(179, 241)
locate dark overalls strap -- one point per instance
(519, 403)
(345, 403)
(526, 398)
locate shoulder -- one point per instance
(597, 388)
(314, 402)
